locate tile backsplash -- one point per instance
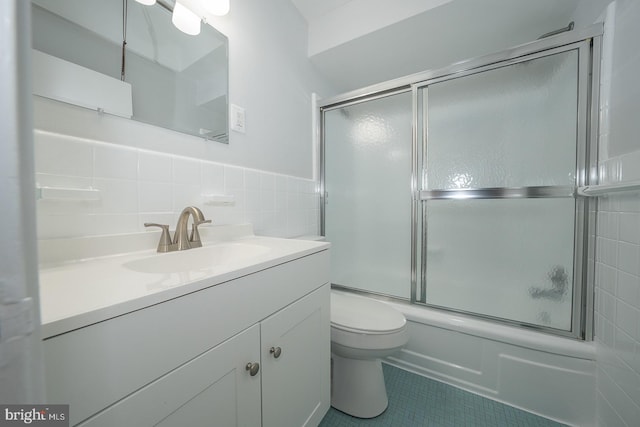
(138, 186)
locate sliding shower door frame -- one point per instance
(581, 287)
(588, 42)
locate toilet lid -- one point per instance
(352, 312)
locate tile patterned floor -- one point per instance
(418, 401)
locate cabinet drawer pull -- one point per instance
(253, 368)
(276, 351)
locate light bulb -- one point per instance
(185, 20)
(147, 2)
(216, 7)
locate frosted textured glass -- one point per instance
(368, 181)
(513, 126)
(508, 258)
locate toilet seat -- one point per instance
(352, 313)
(365, 331)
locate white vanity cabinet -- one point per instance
(214, 389)
(296, 362)
(184, 362)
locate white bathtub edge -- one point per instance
(494, 331)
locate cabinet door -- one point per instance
(296, 384)
(214, 389)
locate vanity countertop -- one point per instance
(78, 293)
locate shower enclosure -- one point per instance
(457, 188)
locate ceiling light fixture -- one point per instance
(185, 20)
(216, 7)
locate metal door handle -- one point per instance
(253, 368)
(275, 351)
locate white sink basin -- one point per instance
(198, 259)
(88, 280)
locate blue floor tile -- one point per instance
(418, 401)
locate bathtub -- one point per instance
(543, 374)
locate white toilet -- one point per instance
(362, 331)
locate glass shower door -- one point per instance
(500, 165)
(367, 182)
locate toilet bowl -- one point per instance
(363, 330)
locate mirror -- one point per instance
(171, 79)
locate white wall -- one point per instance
(344, 23)
(272, 78)
(269, 169)
(617, 313)
(21, 378)
(451, 32)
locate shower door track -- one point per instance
(404, 83)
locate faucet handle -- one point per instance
(165, 244)
(194, 239)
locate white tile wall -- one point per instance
(617, 314)
(617, 311)
(138, 186)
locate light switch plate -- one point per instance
(237, 118)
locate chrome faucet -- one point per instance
(181, 240)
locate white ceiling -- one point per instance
(312, 9)
(450, 32)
